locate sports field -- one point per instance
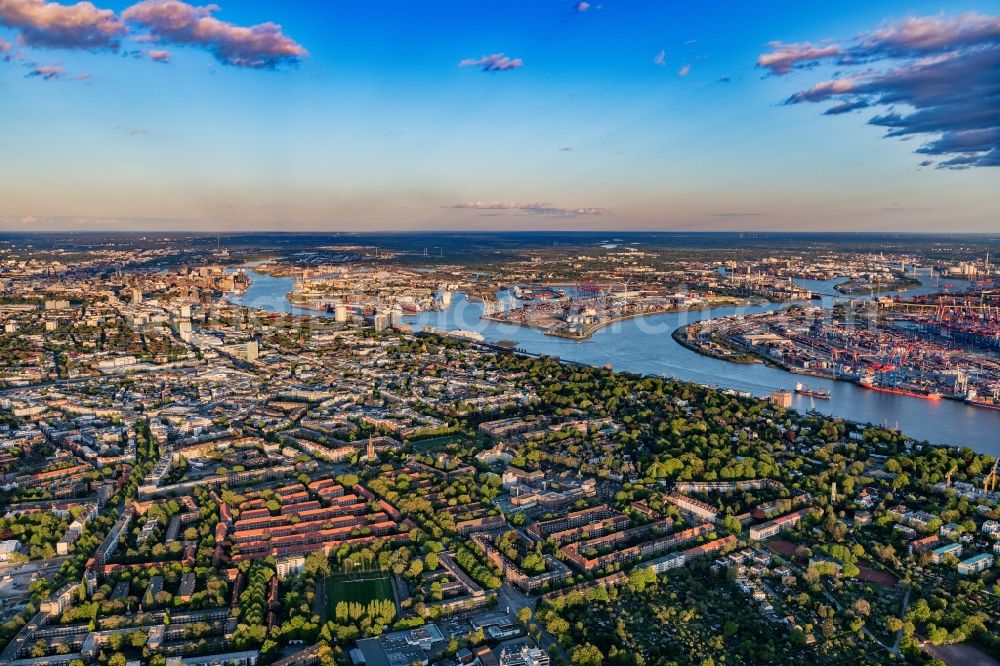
(361, 588)
(438, 443)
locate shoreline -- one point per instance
(749, 395)
(852, 288)
(589, 332)
(678, 336)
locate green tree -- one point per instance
(732, 525)
(641, 577)
(587, 655)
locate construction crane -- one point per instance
(947, 477)
(990, 482)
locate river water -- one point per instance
(645, 345)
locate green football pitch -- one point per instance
(361, 588)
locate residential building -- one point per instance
(773, 527)
(938, 554)
(975, 564)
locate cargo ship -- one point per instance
(982, 401)
(869, 383)
(805, 389)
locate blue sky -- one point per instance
(378, 127)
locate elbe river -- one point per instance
(644, 345)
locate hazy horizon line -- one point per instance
(457, 232)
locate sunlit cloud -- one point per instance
(47, 72)
(51, 25)
(822, 91)
(783, 58)
(497, 62)
(933, 34)
(262, 46)
(938, 79)
(159, 56)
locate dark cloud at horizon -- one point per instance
(939, 79)
(536, 208)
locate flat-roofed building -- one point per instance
(938, 554)
(975, 564)
(186, 589)
(773, 527)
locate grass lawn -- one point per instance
(438, 443)
(361, 588)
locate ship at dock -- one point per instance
(537, 293)
(466, 335)
(805, 389)
(869, 382)
(988, 401)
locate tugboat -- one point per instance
(804, 389)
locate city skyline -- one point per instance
(254, 116)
